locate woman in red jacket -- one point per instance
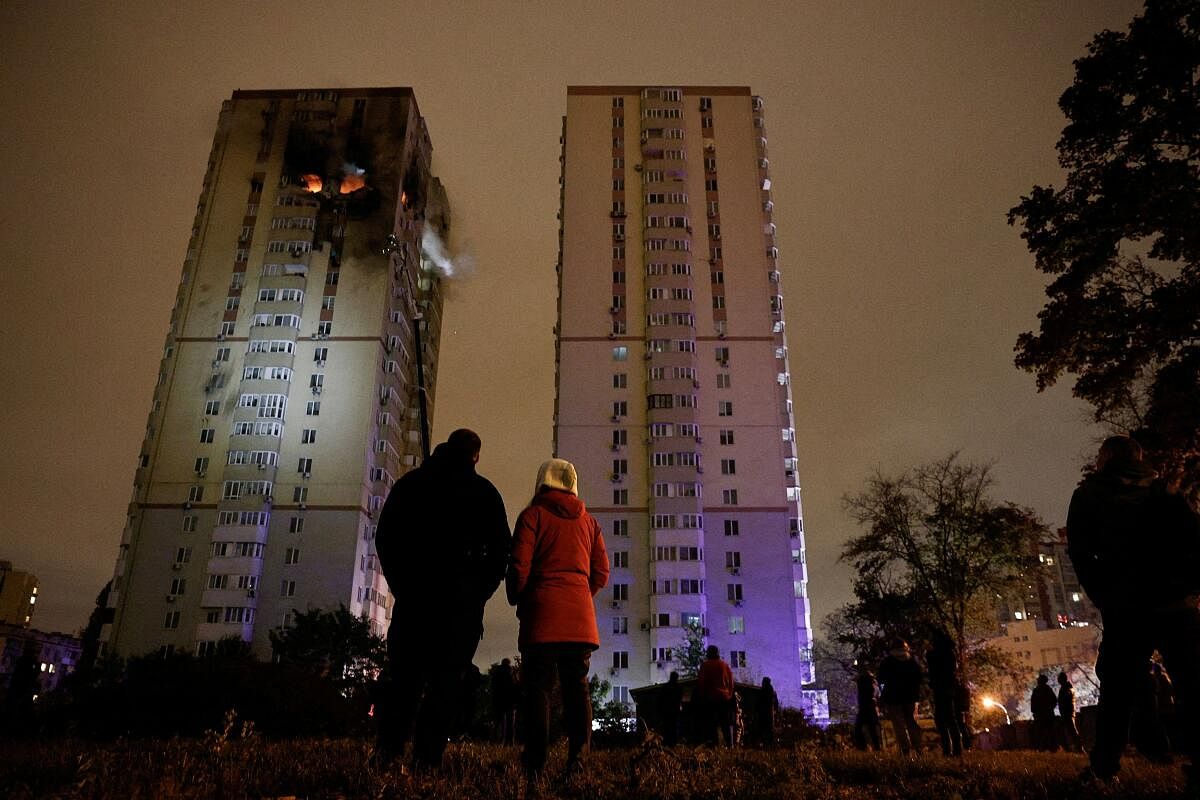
(558, 564)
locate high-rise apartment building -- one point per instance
(673, 388)
(18, 595)
(287, 396)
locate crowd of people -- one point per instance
(444, 544)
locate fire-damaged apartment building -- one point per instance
(287, 398)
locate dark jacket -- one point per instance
(1066, 700)
(900, 677)
(1042, 701)
(868, 696)
(942, 664)
(558, 564)
(443, 540)
(1134, 545)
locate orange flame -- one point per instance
(404, 199)
(351, 183)
(312, 183)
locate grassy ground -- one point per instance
(221, 766)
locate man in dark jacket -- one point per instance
(1042, 702)
(1135, 546)
(942, 663)
(443, 543)
(868, 732)
(901, 677)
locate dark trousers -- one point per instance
(541, 664)
(420, 692)
(903, 717)
(1129, 640)
(945, 719)
(868, 732)
(1042, 732)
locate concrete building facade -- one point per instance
(18, 595)
(673, 387)
(287, 398)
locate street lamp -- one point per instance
(990, 703)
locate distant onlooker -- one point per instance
(900, 675)
(1072, 741)
(714, 696)
(765, 709)
(504, 700)
(942, 663)
(868, 733)
(671, 700)
(1042, 703)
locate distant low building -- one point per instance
(18, 594)
(55, 655)
(1050, 649)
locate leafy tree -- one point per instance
(335, 644)
(935, 552)
(1121, 237)
(690, 655)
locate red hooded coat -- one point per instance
(558, 564)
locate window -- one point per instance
(620, 625)
(722, 354)
(620, 380)
(728, 466)
(172, 620)
(308, 436)
(661, 429)
(620, 559)
(331, 277)
(324, 328)
(620, 353)
(620, 466)
(692, 520)
(690, 554)
(327, 302)
(689, 586)
(710, 185)
(662, 521)
(222, 354)
(737, 659)
(620, 592)
(725, 408)
(304, 466)
(620, 497)
(726, 436)
(195, 494)
(189, 523)
(733, 592)
(296, 525)
(300, 494)
(292, 556)
(729, 497)
(620, 408)
(212, 408)
(732, 528)
(178, 586)
(620, 527)
(723, 380)
(287, 589)
(320, 354)
(620, 438)
(313, 408)
(201, 465)
(620, 659)
(618, 184)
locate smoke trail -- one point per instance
(435, 258)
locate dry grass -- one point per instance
(225, 765)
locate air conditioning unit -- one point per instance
(202, 473)
(177, 566)
(316, 389)
(637, 167)
(270, 499)
(737, 603)
(612, 671)
(659, 665)
(316, 336)
(303, 506)
(699, 469)
(616, 447)
(262, 466)
(615, 418)
(615, 477)
(645, 626)
(320, 364)
(170, 598)
(699, 440)
(187, 506)
(306, 475)
(616, 603)
(735, 570)
(220, 337)
(250, 593)
(612, 335)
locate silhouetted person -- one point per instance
(558, 564)
(962, 706)
(504, 700)
(1073, 742)
(900, 676)
(1136, 549)
(714, 696)
(942, 665)
(443, 543)
(1042, 703)
(1148, 727)
(868, 732)
(765, 709)
(671, 700)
